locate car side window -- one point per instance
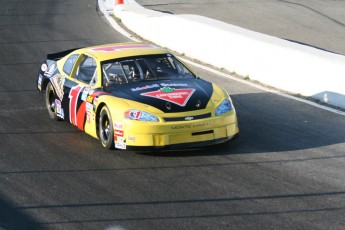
(87, 71)
(68, 66)
(113, 74)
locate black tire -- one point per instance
(50, 102)
(105, 128)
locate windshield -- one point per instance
(143, 68)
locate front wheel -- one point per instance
(106, 129)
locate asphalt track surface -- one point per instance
(286, 171)
(317, 23)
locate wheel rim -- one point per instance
(50, 101)
(105, 128)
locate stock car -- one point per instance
(135, 96)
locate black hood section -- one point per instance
(170, 96)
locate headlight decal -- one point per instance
(139, 115)
(224, 107)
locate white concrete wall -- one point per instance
(276, 62)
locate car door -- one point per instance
(81, 79)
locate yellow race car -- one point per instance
(135, 96)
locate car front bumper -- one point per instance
(176, 135)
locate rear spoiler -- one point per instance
(59, 55)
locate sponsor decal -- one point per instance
(145, 87)
(120, 139)
(85, 93)
(120, 145)
(44, 67)
(50, 70)
(58, 81)
(39, 82)
(89, 108)
(158, 86)
(190, 126)
(95, 102)
(118, 133)
(59, 111)
(173, 84)
(121, 47)
(118, 125)
(189, 118)
(131, 138)
(177, 96)
(134, 114)
(89, 99)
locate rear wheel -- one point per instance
(50, 102)
(105, 128)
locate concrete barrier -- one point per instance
(285, 65)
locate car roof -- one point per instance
(120, 50)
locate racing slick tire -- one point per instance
(105, 128)
(50, 102)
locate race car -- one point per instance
(135, 96)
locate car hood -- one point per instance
(169, 96)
